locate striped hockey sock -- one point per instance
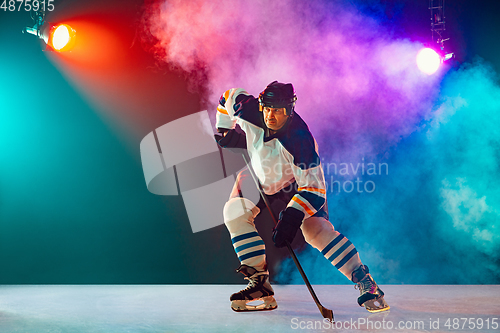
(342, 254)
(321, 235)
(239, 214)
(250, 249)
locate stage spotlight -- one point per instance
(428, 61)
(61, 37)
(57, 37)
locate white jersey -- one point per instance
(280, 159)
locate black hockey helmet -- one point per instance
(278, 95)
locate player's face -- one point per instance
(274, 118)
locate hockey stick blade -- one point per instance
(326, 313)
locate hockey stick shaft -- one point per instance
(326, 313)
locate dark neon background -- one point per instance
(74, 207)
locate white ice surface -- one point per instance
(205, 308)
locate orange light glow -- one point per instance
(62, 38)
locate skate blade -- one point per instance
(376, 305)
(268, 303)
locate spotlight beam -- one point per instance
(428, 61)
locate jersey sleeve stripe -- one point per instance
(226, 94)
(221, 109)
(312, 189)
(305, 207)
(311, 199)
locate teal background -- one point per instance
(74, 207)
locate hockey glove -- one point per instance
(233, 139)
(288, 224)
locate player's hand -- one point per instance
(288, 224)
(231, 139)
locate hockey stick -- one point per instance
(326, 313)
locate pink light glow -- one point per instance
(428, 61)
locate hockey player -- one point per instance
(284, 156)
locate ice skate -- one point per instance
(371, 296)
(258, 289)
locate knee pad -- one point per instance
(240, 210)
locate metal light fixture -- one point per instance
(57, 37)
(438, 26)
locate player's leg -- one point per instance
(239, 214)
(334, 246)
(337, 249)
